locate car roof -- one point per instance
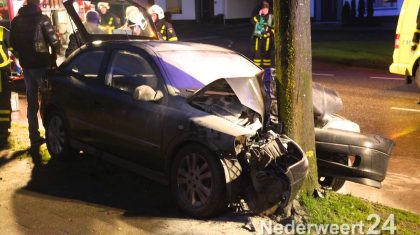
(161, 46)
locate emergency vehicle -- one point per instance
(406, 55)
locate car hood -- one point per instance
(248, 90)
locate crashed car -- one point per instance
(343, 153)
(185, 114)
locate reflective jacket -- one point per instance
(4, 48)
(31, 35)
(166, 31)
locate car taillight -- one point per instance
(397, 41)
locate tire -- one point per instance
(329, 182)
(57, 136)
(198, 182)
(417, 76)
(332, 183)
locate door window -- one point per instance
(87, 64)
(130, 70)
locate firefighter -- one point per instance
(5, 88)
(109, 21)
(263, 36)
(165, 29)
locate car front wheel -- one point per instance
(57, 138)
(198, 182)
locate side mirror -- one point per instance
(146, 93)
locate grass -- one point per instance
(18, 141)
(345, 209)
(377, 54)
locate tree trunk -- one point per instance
(294, 70)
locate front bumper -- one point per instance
(401, 69)
(372, 153)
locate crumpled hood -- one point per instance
(247, 89)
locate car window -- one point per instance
(87, 64)
(130, 70)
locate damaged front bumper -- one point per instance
(267, 175)
(370, 154)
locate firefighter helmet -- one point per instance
(156, 9)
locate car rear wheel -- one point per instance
(57, 138)
(198, 182)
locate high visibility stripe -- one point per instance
(162, 30)
(257, 60)
(4, 111)
(4, 119)
(255, 19)
(256, 43)
(164, 38)
(267, 44)
(173, 39)
(2, 53)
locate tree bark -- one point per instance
(293, 54)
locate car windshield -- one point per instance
(114, 17)
(196, 69)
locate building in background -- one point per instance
(206, 10)
(330, 10)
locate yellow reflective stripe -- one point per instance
(2, 53)
(110, 20)
(4, 119)
(162, 30)
(267, 44)
(164, 38)
(255, 19)
(173, 39)
(256, 43)
(4, 111)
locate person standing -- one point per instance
(31, 36)
(5, 88)
(92, 27)
(263, 36)
(109, 21)
(165, 29)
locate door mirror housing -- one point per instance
(146, 93)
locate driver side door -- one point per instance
(131, 127)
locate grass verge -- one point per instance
(374, 54)
(345, 209)
(18, 141)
